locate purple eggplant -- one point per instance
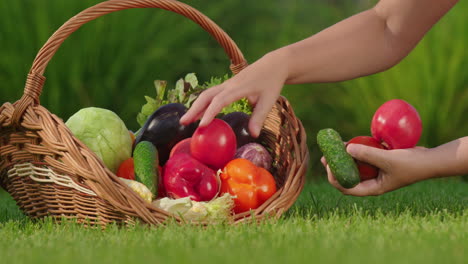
(239, 122)
(164, 130)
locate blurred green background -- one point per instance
(111, 62)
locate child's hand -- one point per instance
(398, 168)
(260, 83)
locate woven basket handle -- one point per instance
(35, 79)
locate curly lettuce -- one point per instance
(186, 90)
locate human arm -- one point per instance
(402, 167)
(366, 43)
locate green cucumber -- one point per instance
(341, 164)
(145, 158)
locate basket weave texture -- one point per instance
(50, 173)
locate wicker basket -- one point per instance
(51, 173)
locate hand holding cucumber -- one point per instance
(368, 173)
(397, 168)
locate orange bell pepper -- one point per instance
(251, 185)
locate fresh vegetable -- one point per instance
(366, 170)
(185, 176)
(397, 124)
(340, 162)
(103, 132)
(239, 122)
(164, 130)
(251, 185)
(241, 105)
(182, 147)
(185, 92)
(145, 157)
(214, 145)
(140, 189)
(214, 211)
(127, 169)
(256, 153)
(177, 206)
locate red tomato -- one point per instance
(366, 170)
(127, 169)
(251, 185)
(182, 146)
(214, 145)
(397, 123)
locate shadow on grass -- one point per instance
(9, 211)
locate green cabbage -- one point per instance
(104, 133)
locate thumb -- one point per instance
(374, 156)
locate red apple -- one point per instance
(182, 146)
(397, 123)
(366, 170)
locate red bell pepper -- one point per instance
(184, 176)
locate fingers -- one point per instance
(218, 102)
(210, 102)
(371, 155)
(200, 104)
(324, 161)
(260, 112)
(370, 187)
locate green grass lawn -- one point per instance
(423, 223)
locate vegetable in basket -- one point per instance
(104, 133)
(11, 115)
(214, 211)
(241, 105)
(214, 145)
(145, 158)
(182, 147)
(185, 92)
(127, 169)
(239, 122)
(251, 185)
(184, 176)
(140, 189)
(256, 153)
(164, 130)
